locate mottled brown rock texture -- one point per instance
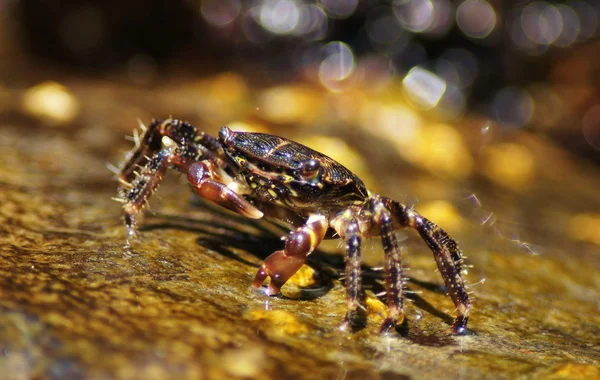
(77, 301)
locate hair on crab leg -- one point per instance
(449, 261)
(394, 281)
(352, 275)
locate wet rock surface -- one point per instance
(76, 300)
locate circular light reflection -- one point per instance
(571, 26)
(513, 106)
(424, 88)
(220, 12)
(476, 18)
(252, 27)
(588, 18)
(312, 22)
(338, 65)
(591, 127)
(453, 102)
(541, 22)
(464, 64)
(279, 16)
(415, 15)
(383, 28)
(83, 29)
(340, 8)
(442, 18)
(519, 37)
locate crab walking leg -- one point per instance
(146, 146)
(394, 281)
(144, 184)
(199, 175)
(353, 272)
(449, 262)
(202, 145)
(281, 265)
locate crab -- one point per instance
(261, 175)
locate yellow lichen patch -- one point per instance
(343, 153)
(290, 104)
(246, 362)
(279, 322)
(51, 102)
(585, 227)
(509, 165)
(304, 278)
(573, 371)
(443, 213)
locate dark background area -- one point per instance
(483, 48)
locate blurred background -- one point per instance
(425, 99)
(522, 64)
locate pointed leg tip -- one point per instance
(387, 327)
(353, 322)
(459, 327)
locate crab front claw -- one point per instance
(279, 267)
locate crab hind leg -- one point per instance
(394, 280)
(135, 195)
(448, 258)
(353, 273)
(146, 146)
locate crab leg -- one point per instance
(136, 194)
(353, 272)
(447, 256)
(394, 282)
(281, 265)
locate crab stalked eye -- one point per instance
(225, 134)
(310, 169)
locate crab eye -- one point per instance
(225, 134)
(310, 169)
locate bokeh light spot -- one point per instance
(220, 12)
(571, 26)
(415, 15)
(383, 28)
(279, 16)
(340, 8)
(83, 30)
(541, 22)
(312, 23)
(51, 102)
(338, 65)
(424, 88)
(476, 18)
(513, 106)
(588, 19)
(591, 127)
